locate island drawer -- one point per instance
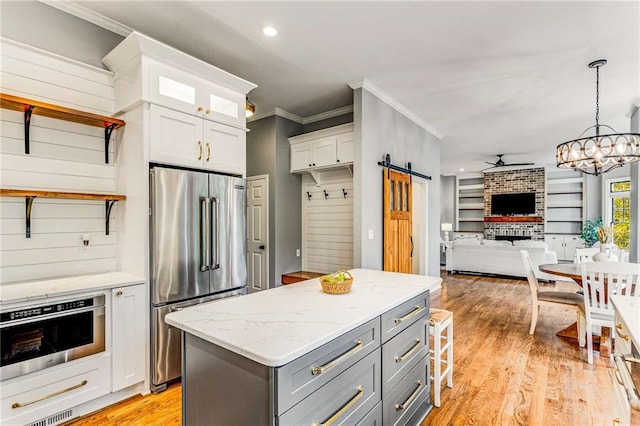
(347, 399)
(373, 417)
(403, 352)
(409, 396)
(623, 345)
(402, 316)
(303, 376)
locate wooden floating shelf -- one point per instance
(30, 106)
(5, 192)
(512, 219)
(30, 195)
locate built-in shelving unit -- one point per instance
(30, 195)
(565, 210)
(470, 203)
(30, 107)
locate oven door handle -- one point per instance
(629, 386)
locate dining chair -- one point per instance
(606, 279)
(561, 299)
(586, 254)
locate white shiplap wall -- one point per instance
(64, 156)
(327, 224)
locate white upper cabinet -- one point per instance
(197, 116)
(322, 149)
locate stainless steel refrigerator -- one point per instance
(198, 253)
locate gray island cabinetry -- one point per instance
(296, 356)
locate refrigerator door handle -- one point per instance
(205, 212)
(215, 251)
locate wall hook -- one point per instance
(344, 193)
(308, 195)
(326, 194)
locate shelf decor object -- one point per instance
(30, 107)
(599, 153)
(446, 228)
(30, 195)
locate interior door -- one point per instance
(398, 243)
(258, 232)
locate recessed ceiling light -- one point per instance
(269, 31)
(462, 170)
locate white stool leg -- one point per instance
(437, 364)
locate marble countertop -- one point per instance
(629, 310)
(276, 326)
(42, 289)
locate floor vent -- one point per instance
(54, 419)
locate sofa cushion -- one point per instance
(531, 243)
(467, 242)
(497, 243)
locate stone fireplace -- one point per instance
(515, 227)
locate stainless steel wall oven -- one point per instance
(43, 335)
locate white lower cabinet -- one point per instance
(53, 391)
(564, 245)
(128, 313)
(186, 140)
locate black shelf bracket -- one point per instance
(28, 205)
(107, 138)
(108, 206)
(27, 125)
(387, 163)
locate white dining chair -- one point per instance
(586, 254)
(606, 279)
(562, 299)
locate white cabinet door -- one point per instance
(571, 243)
(556, 244)
(128, 313)
(301, 156)
(344, 147)
(224, 148)
(176, 137)
(223, 105)
(323, 152)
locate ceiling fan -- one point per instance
(501, 163)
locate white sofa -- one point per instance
(497, 257)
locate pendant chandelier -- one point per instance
(599, 153)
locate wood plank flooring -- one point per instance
(501, 374)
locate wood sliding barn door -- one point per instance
(398, 245)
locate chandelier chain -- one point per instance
(597, 96)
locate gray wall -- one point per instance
(45, 27)
(288, 203)
(329, 122)
(380, 129)
(268, 153)
(447, 201)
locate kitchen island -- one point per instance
(294, 354)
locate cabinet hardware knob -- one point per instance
(616, 421)
(337, 160)
(309, 164)
(199, 150)
(208, 151)
(200, 109)
(207, 111)
(119, 293)
(314, 164)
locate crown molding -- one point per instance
(328, 114)
(385, 97)
(90, 16)
(276, 111)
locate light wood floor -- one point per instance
(501, 374)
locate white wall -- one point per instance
(634, 253)
(64, 156)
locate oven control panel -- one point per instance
(54, 308)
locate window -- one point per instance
(618, 212)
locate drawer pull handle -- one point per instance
(319, 370)
(616, 421)
(632, 393)
(51, 395)
(622, 336)
(618, 377)
(413, 395)
(331, 420)
(410, 351)
(415, 311)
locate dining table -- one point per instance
(574, 271)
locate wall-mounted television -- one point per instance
(522, 203)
